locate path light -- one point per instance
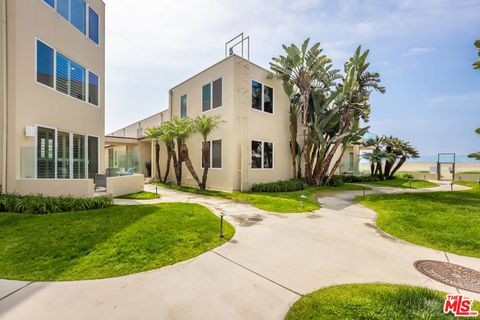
(303, 197)
(156, 190)
(364, 191)
(451, 186)
(221, 225)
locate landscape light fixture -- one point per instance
(221, 225)
(303, 197)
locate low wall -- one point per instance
(122, 185)
(55, 187)
(467, 177)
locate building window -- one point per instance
(63, 155)
(215, 156)
(70, 77)
(93, 25)
(183, 106)
(92, 88)
(350, 162)
(51, 3)
(212, 95)
(262, 97)
(45, 153)
(75, 11)
(45, 62)
(78, 156)
(262, 155)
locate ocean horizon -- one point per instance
(433, 158)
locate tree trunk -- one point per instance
(388, 167)
(335, 167)
(206, 163)
(326, 162)
(170, 154)
(400, 163)
(157, 160)
(372, 168)
(188, 163)
(178, 164)
(293, 155)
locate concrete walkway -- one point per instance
(272, 260)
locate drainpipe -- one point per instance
(4, 102)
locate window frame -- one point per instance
(186, 105)
(263, 154)
(262, 104)
(87, 93)
(54, 88)
(211, 95)
(211, 155)
(71, 134)
(87, 26)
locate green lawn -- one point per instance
(403, 183)
(448, 221)
(282, 202)
(143, 195)
(371, 301)
(469, 172)
(105, 243)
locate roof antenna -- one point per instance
(239, 40)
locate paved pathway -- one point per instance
(272, 260)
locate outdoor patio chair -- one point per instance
(100, 181)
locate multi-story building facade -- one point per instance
(252, 142)
(52, 95)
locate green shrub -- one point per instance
(360, 179)
(336, 181)
(38, 204)
(407, 176)
(280, 186)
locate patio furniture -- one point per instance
(100, 181)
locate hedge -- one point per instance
(279, 186)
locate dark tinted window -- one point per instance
(256, 154)
(62, 73)
(267, 155)
(77, 81)
(267, 99)
(216, 153)
(217, 93)
(93, 25)
(44, 64)
(183, 106)
(63, 7)
(206, 97)
(51, 3)
(256, 95)
(92, 88)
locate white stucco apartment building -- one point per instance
(251, 144)
(52, 75)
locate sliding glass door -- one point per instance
(92, 156)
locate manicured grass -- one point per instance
(403, 183)
(281, 202)
(143, 195)
(447, 221)
(105, 243)
(399, 173)
(371, 301)
(470, 172)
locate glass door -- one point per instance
(92, 156)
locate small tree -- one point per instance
(205, 125)
(475, 155)
(155, 133)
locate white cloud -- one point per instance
(456, 101)
(417, 51)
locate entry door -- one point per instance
(92, 156)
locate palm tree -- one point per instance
(476, 64)
(406, 151)
(182, 129)
(168, 139)
(155, 133)
(300, 70)
(205, 126)
(475, 155)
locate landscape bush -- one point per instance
(360, 179)
(336, 181)
(280, 186)
(38, 204)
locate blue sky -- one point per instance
(422, 49)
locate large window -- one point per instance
(262, 155)
(76, 11)
(78, 156)
(262, 97)
(92, 88)
(215, 156)
(63, 155)
(45, 153)
(45, 62)
(183, 106)
(93, 25)
(212, 95)
(69, 78)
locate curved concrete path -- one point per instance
(272, 261)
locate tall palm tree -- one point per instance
(406, 151)
(168, 139)
(183, 129)
(205, 125)
(155, 133)
(300, 70)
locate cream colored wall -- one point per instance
(122, 185)
(54, 188)
(221, 179)
(2, 85)
(131, 130)
(30, 103)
